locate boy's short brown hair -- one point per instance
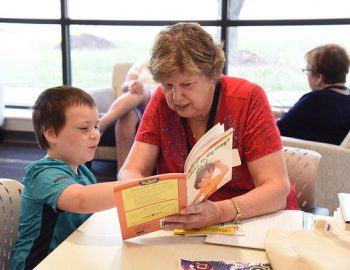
(50, 109)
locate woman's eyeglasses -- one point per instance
(307, 71)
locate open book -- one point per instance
(143, 203)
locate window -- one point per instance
(145, 10)
(95, 49)
(265, 40)
(273, 57)
(30, 61)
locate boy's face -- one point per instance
(76, 143)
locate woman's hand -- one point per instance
(135, 87)
(195, 216)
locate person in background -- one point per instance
(193, 95)
(323, 114)
(127, 109)
(59, 191)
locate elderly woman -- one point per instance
(322, 115)
(192, 97)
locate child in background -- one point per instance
(126, 111)
(59, 192)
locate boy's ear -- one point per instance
(50, 134)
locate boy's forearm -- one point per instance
(87, 199)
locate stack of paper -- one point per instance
(343, 212)
(255, 229)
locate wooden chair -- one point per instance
(10, 199)
(302, 166)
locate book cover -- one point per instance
(185, 264)
(229, 228)
(142, 204)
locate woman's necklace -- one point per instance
(211, 119)
(341, 89)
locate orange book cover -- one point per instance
(142, 204)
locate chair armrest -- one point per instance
(346, 142)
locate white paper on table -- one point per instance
(255, 229)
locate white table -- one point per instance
(97, 244)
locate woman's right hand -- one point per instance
(135, 87)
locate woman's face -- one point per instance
(314, 79)
(190, 95)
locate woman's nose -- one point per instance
(177, 94)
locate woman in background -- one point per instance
(323, 114)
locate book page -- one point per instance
(211, 135)
(255, 229)
(211, 169)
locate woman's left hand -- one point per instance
(195, 216)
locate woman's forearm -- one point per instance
(265, 199)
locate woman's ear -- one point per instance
(319, 79)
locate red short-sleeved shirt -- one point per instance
(244, 107)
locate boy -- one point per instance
(60, 193)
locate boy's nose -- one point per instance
(95, 134)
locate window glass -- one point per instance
(30, 61)
(145, 10)
(274, 56)
(38, 9)
(95, 49)
(292, 9)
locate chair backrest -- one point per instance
(333, 174)
(119, 73)
(10, 198)
(302, 166)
